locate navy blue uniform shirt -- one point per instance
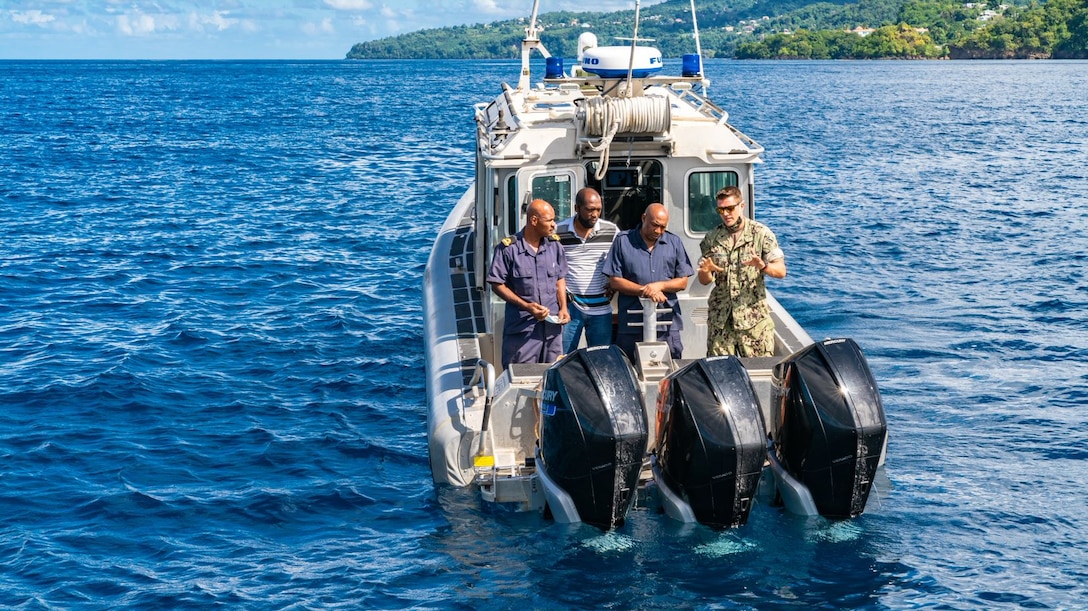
(533, 276)
(631, 260)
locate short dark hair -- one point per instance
(730, 191)
(582, 194)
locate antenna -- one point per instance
(699, 47)
(530, 42)
(695, 27)
(532, 33)
(631, 61)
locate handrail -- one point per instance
(485, 372)
(649, 323)
(491, 157)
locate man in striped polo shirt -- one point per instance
(586, 240)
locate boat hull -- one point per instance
(451, 425)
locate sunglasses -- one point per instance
(727, 209)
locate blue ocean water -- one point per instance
(211, 369)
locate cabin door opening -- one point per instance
(626, 189)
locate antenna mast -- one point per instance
(530, 42)
(631, 61)
(699, 47)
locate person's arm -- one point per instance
(539, 311)
(774, 269)
(564, 313)
(657, 290)
(707, 269)
(653, 290)
(624, 286)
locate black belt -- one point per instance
(590, 301)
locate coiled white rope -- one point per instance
(606, 117)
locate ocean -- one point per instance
(211, 351)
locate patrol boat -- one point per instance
(581, 439)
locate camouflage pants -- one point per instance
(723, 338)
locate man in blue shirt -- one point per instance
(528, 272)
(648, 261)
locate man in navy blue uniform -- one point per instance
(528, 272)
(648, 261)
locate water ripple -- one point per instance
(211, 345)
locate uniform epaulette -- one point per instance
(554, 237)
(508, 240)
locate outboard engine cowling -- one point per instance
(711, 440)
(594, 432)
(830, 424)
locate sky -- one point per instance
(238, 29)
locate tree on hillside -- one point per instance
(945, 19)
(1037, 31)
(892, 41)
(1075, 46)
(898, 41)
(1058, 28)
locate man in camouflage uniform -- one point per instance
(736, 255)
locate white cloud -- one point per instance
(136, 25)
(325, 27)
(217, 20)
(142, 24)
(349, 5)
(488, 7)
(196, 29)
(34, 17)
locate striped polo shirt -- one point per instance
(585, 282)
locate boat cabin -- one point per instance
(541, 143)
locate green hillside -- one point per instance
(781, 29)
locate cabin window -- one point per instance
(554, 185)
(626, 189)
(702, 187)
(556, 190)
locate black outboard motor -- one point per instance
(711, 439)
(830, 424)
(594, 432)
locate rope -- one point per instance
(606, 117)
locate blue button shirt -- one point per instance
(531, 275)
(631, 260)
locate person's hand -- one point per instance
(754, 260)
(706, 264)
(539, 311)
(564, 316)
(653, 291)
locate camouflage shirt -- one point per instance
(739, 294)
